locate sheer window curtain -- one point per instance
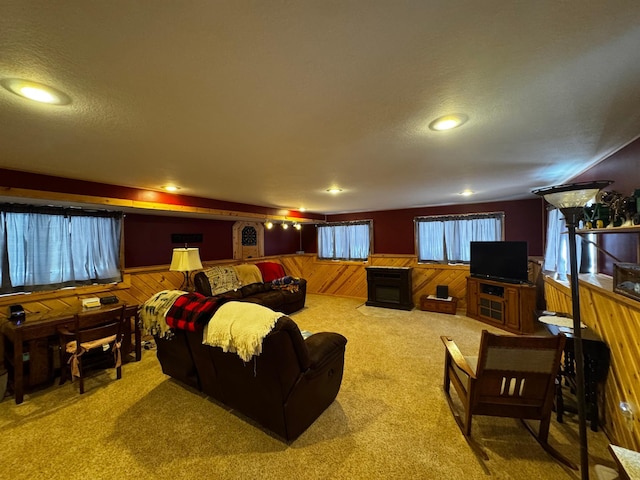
(40, 251)
(348, 241)
(94, 243)
(431, 241)
(556, 253)
(359, 241)
(325, 242)
(449, 239)
(460, 233)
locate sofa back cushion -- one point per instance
(270, 271)
(222, 279)
(248, 273)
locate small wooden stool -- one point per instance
(431, 303)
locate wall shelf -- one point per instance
(632, 229)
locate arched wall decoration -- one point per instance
(248, 240)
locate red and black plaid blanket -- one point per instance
(191, 312)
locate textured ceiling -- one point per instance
(272, 102)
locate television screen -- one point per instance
(502, 261)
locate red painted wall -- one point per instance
(393, 230)
(147, 238)
(623, 167)
(278, 241)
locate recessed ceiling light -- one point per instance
(466, 193)
(334, 190)
(35, 91)
(448, 122)
(171, 188)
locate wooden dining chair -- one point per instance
(102, 329)
(512, 376)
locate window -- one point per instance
(44, 248)
(446, 239)
(556, 252)
(345, 240)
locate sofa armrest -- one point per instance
(324, 347)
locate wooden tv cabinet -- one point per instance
(509, 306)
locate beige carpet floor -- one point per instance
(390, 419)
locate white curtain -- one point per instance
(459, 234)
(54, 250)
(448, 239)
(94, 243)
(556, 253)
(359, 241)
(325, 242)
(431, 241)
(348, 241)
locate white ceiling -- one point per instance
(272, 102)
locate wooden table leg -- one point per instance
(18, 370)
(138, 338)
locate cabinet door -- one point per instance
(511, 308)
(472, 297)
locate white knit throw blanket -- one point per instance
(240, 327)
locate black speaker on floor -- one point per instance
(442, 291)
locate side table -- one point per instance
(596, 365)
(431, 303)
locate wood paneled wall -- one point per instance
(616, 319)
(349, 279)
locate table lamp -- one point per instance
(186, 260)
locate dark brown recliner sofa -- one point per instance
(284, 389)
(263, 293)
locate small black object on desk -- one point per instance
(16, 314)
(596, 365)
(110, 300)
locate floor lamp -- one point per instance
(570, 199)
(185, 260)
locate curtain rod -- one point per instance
(53, 210)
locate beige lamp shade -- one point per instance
(185, 260)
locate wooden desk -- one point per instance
(34, 334)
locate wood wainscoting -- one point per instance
(349, 279)
(616, 319)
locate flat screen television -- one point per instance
(502, 261)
